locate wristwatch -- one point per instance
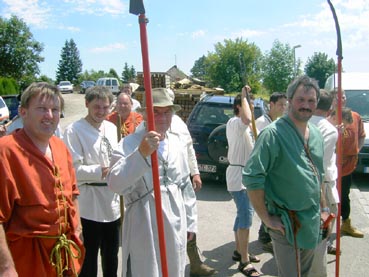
(325, 210)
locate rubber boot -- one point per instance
(348, 229)
(197, 267)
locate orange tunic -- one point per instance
(36, 199)
(350, 143)
(129, 125)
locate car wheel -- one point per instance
(218, 144)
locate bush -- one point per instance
(8, 86)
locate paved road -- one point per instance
(216, 216)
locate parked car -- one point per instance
(65, 87)
(207, 126)
(356, 87)
(111, 83)
(4, 111)
(85, 85)
(12, 101)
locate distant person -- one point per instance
(40, 228)
(123, 116)
(330, 136)
(277, 108)
(91, 141)
(131, 176)
(352, 141)
(240, 145)
(127, 88)
(283, 177)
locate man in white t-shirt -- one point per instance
(240, 145)
(277, 107)
(91, 141)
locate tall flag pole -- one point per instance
(137, 8)
(339, 141)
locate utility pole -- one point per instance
(294, 59)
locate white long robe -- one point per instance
(131, 176)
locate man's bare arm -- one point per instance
(7, 267)
(257, 198)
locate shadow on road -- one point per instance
(213, 191)
(361, 181)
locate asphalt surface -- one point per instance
(216, 217)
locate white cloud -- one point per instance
(198, 34)
(32, 12)
(99, 7)
(248, 33)
(353, 18)
(70, 28)
(43, 14)
(108, 48)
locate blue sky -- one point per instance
(180, 32)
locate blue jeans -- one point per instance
(245, 211)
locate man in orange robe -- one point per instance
(40, 230)
(128, 119)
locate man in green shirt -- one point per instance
(283, 178)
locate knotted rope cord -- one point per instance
(296, 225)
(63, 244)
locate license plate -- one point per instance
(207, 168)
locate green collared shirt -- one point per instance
(280, 165)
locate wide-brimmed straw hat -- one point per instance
(160, 98)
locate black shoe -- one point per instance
(268, 247)
(237, 257)
(331, 250)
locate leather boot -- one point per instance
(197, 267)
(348, 229)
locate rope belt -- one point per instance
(296, 225)
(96, 184)
(139, 198)
(65, 245)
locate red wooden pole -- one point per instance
(339, 164)
(154, 157)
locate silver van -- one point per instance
(356, 87)
(111, 83)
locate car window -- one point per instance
(213, 114)
(11, 102)
(114, 82)
(358, 101)
(2, 103)
(108, 82)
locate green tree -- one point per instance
(320, 67)
(113, 73)
(44, 78)
(128, 74)
(278, 67)
(70, 64)
(199, 68)
(226, 69)
(19, 51)
(8, 86)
